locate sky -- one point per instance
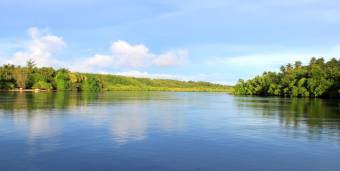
(217, 40)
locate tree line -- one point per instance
(45, 78)
(317, 79)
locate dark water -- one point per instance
(167, 131)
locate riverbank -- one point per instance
(226, 90)
(28, 90)
(34, 78)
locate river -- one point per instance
(166, 131)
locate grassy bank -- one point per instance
(123, 83)
(32, 78)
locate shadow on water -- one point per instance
(318, 117)
(30, 101)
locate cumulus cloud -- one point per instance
(171, 58)
(124, 54)
(127, 55)
(41, 48)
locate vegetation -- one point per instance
(317, 79)
(46, 78)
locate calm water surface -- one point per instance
(167, 131)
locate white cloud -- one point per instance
(99, 61)
(171, 58)
(41, 48)
(127, 55)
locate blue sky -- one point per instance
(215, 40)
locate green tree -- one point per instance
(20, 75)
(42, 85)
(91, 84)
(76, 80)
(7, 80)
(31, 66)
(62, 79)
(318, 79)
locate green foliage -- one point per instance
(31, 68)
(91, 84)
(122, 83)
(318, 79)
(76, 80)
(62, 80)
(7, 80)
(20, 75)
(46, 78)
(42, 85)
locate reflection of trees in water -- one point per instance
(39, 101)
(30, 101)
(318, 116)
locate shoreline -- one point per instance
(26, 90)
(169, 90)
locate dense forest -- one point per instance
(317, 79)
(46, 78)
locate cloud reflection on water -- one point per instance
(128, 116)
